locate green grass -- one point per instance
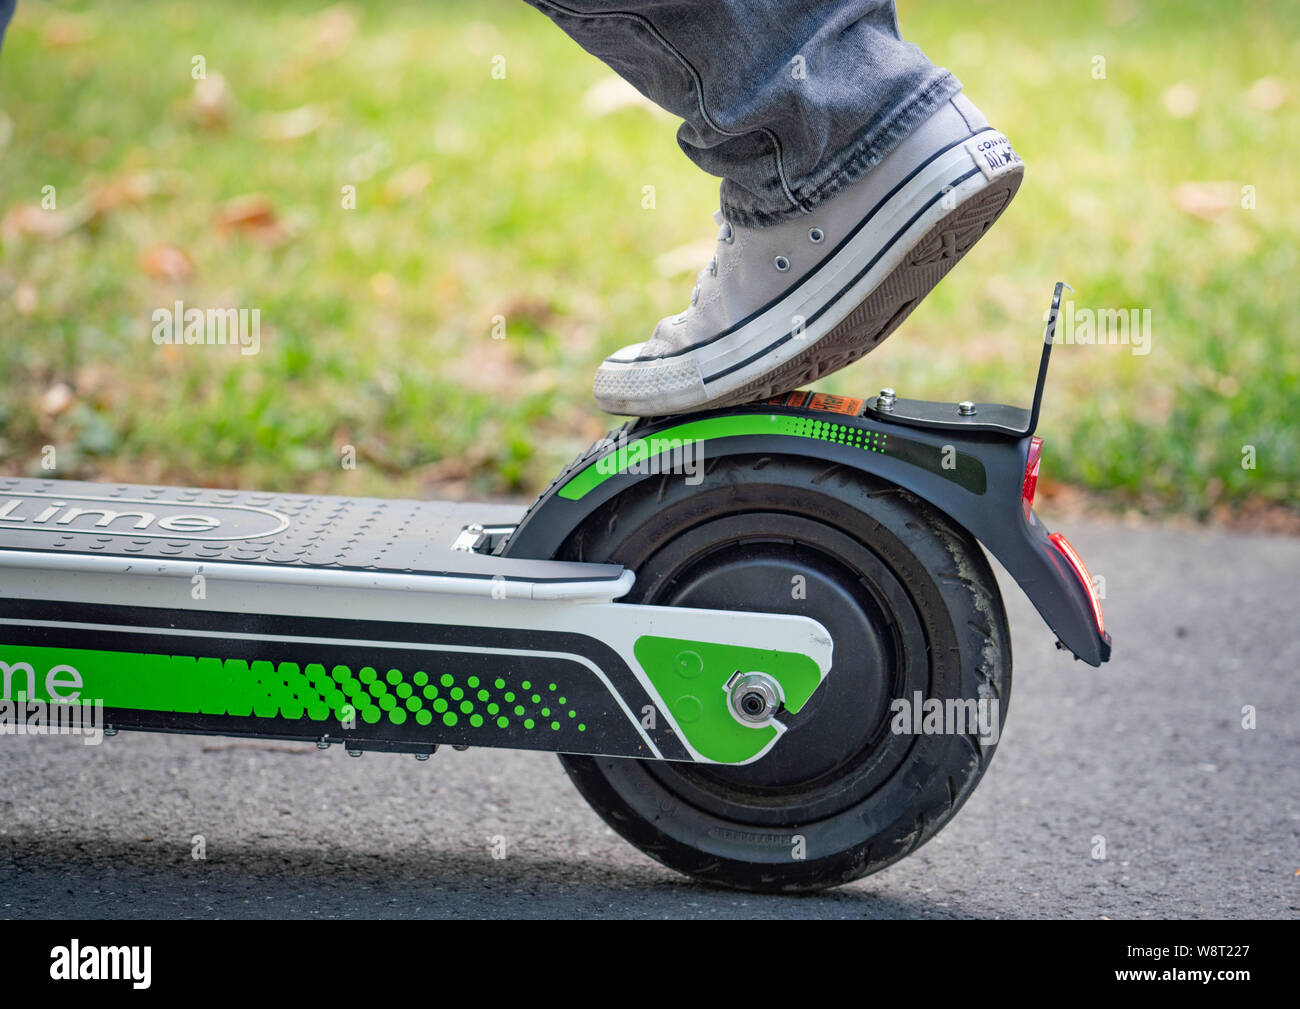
(377, 322)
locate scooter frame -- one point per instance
(249, 614)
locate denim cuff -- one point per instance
(843, 169)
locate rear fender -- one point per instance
(973, 476)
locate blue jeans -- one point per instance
(788, 101)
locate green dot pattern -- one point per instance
(397, 697)
(843, 434)
(320, 693)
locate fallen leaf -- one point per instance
(25, 299)
(252, 216)
(63, 30)
(1267, 94)
(1206, 200)
(335, 27)
(492, 366)
(1181, 100)
(613, 94)
(126, 190)
(410, 182)
(449, 138)
(383, 286)
(363, 166)
(30, 221)
(538, 312)
(482, 38)
(212, 103)
(167, 262)
(56, 399)
(93, 379)
(294, 124)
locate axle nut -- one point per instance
(755, 697)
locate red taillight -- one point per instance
(1076, 562)
(1030, 485)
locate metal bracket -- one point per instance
(479, 539)
(994, 418)
(470, 538)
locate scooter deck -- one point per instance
(296, 532)
(355, 621)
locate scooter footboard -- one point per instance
(118, 645)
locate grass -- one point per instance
(478, 197)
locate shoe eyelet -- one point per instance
(781, 263)
(816, 235)
(713, 267)
(728, 234)
(695, 295)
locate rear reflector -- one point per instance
(1030, 485)
(1076, 562)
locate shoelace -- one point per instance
(725, 234)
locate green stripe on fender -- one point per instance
(691, 678)
(632, 454)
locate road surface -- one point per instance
(1200, 817)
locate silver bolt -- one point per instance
(354, 753)
(966, 408)
(323, 743)
(421, 756)
(885, 401)
(755, 697)
(109, 730)
(462, 747)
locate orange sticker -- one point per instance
(823, 401)
(836, 404)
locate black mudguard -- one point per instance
(973, 475)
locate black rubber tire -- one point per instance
(722, 825)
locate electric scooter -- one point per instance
(764, 640)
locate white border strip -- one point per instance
(484, 585)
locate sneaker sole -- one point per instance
(884, 310)
(855, 302)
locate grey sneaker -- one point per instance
(783, 305)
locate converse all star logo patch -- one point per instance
(993, 153)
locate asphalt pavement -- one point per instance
(1144, 761)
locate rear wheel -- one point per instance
(914, 613)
